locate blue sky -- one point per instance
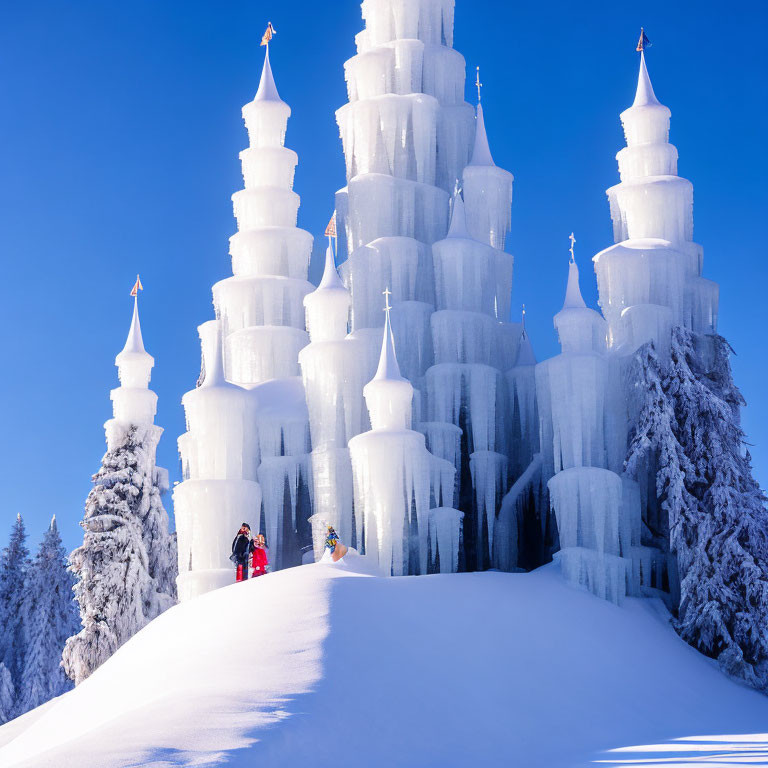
(120, 129)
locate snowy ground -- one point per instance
(325, 664)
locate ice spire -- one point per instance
(267, 88)
(458, 226)
(388, 369)
(644, 96)
(134, 363)
(327, 307)
(133, 402)
(134, 343)
(481, 154)
(573, 297)
(525, 354)
(331, 279)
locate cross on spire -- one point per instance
(523, 317)
(570, 250)
(479, 86)
(387, 293)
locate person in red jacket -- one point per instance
(259, 561)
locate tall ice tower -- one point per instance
(410, 140)
(245, 453)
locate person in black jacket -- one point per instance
(242, 547)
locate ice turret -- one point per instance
(651, 279)
(580, 329)
(388, 395)
(133, 402)
(487, 191)
(327, 307)
(397, 481)
(333, 369)
(262, 466)
(219, 463)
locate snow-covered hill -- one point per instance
(329, 665)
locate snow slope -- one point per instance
(329, 664)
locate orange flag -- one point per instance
(269, 34)
(330, 230)
(137, 286)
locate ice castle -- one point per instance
(424, 430)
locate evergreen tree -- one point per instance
(115, 589)
(654, 444)
(51, 619)
(13, 569)
(160, 545)
(724, 589)
(718, 523)
(7, 695)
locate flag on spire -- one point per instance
(137, 286)
(268, 34)
(643, 42)
(330, 230)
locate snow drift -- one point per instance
(329, 664)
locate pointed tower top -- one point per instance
(53, 523)
(458, 226)
(388, 369)
(573, 297)
(481, 154)
(215, 376)
(331, 279)
(525, 354)
(267, 88)
(644, 96)
(134, 343)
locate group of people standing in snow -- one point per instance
(249, 553)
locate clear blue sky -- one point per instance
(120, 129)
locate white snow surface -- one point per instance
(309, 667)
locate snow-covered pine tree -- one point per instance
(13, 569)
(724, 589)
(115, 590)
(51, 618)
(7, 695)
(718, 523)
(160, 545)
(653, 446)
